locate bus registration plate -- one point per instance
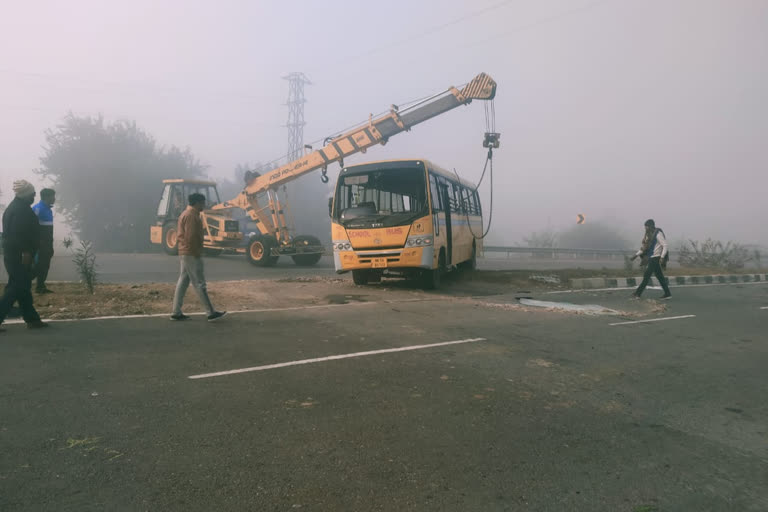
(379, 263)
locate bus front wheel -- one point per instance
(360, 277)
(432, 278)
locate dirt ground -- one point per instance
(72, 300)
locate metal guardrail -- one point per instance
(555, 252)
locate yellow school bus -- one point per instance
(403, 218)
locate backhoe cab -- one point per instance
(222, 232)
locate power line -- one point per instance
(424, 33)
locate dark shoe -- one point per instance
(179, 317)
(37, 325)
(43, 291)
(666, 296)
(216, 315)
(634, 296)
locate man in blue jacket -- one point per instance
(20, 242)
(45, 250)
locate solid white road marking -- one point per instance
(766, 307)
(332, 358)
(167, 315)
(672, 286)
(266, 310)
(655, 320)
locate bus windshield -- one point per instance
(385, 197)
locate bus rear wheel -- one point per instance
(471, 263)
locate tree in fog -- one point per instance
(594, 236)
(229, 189)
(108, 178)
(542, 239)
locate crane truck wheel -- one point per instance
(259, 251)
(170, 238)
(306, 260)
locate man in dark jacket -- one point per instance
(20, 242)
(45, 250)
(654, 247)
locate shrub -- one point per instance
(714, 254)
(85, 261)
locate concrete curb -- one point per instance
(631, 282)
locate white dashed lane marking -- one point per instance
(655, 320)
(331, 358)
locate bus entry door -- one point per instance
(448, 231)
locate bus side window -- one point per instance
(436, 199)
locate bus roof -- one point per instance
(412, 161)
(191, 182)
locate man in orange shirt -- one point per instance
(190, 242)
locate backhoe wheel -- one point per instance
(259, 251)
(360, 277)
(306, 260)
(170, 238)
(431, 278)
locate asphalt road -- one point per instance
(143, 268)
(546, 412)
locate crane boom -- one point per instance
(271, 219)
(376, 131)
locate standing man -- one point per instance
(20, 242)
(190, 242)
(654, 247)
(45, 250)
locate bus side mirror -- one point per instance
(330, 206)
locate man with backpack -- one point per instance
(654, 247)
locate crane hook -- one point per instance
(324, 175)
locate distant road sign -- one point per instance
(580, 219)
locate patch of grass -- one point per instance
(646, 508)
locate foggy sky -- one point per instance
(618, 109)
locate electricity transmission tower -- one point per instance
(295, 125)
(307, 196)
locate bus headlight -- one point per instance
(419, 241)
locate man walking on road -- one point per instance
(190, 243)
(45, 250)
(654, 247)
(20, 242)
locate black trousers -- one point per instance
(653, 268)
(19, 288)
(42, 266)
